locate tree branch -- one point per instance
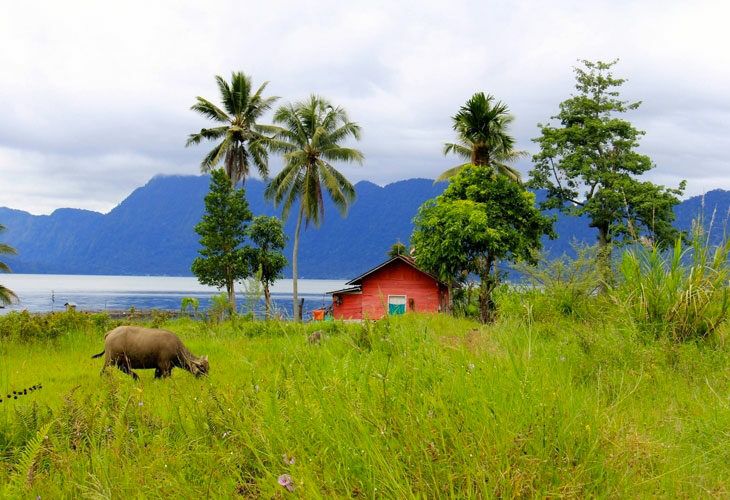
(560, 187)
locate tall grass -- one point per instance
(682, 293)
(419, 406)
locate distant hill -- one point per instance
(151, 231)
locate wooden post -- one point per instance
(301, 309)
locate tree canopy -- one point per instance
(224, 258)
(480, 218)
(589, 165)
(267, 233)
(310, 134)
(241, 142)
(482, 128)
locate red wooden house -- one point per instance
(393, 287)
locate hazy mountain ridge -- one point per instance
(151, 231)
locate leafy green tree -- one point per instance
(6, 295)
(479, 218)
(267, 233)
(240, 140)
(483, 139)
(398, 248)
(224, 257)
(310, 134)
(589, 166)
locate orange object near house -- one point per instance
(392, 288)
(318, 314)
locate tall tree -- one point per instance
(480, 218)
(310, 133)
(7, 296)
(589, 166)
(482, 129)
(241, 142)
(267, 233)
(224, 259)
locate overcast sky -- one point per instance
(95, 96)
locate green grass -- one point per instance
(416, 407)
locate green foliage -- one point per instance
(7, 296)
(267, 233)
(241, 142)
(23, 326)
(589, 166)
(481, 217)
(567, 283)
(190, 303)
(482, 130)
(396, 249)
(253, 291)
(436, 407)
(26, 465)
(682, 294)
(224, 257)
(220, 305)
(309, 134)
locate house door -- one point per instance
(396, 304)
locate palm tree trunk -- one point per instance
(294, 261)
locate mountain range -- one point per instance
(151, 231)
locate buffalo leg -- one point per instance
(123, 365)
(158, 373)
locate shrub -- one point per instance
(567, 283)
(682, 293)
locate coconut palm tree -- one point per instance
(6, 295)
(241, 142)
(481, 127)
(309, 133)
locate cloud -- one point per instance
(96, 95)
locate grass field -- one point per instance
(417, 406)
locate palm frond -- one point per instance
(457, 149)
(7, 250)
(336, 153)
(210, 110)
(343, 132)
(445, 176)
(7, 296)
(214, 156)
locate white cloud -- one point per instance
(95, 95)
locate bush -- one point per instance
(567, 284)
(681, 294)
(25, 327)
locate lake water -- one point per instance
(49, 292)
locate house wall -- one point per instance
(351, 307)
(399, 278)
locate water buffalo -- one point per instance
(130, 347)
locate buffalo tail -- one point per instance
(98, 355)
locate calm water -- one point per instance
(46, 292)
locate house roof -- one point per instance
(407, 259)
(352, 289)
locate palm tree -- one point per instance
(241, 142)
(481, 128)
(309, 134)
(6, 295)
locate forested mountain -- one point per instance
(151, 231)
